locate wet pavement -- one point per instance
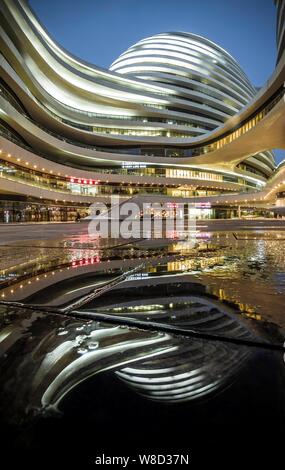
(151, 346)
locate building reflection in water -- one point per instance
(44, 356)
(23, 280)
(249, 272)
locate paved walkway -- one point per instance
(49, 230)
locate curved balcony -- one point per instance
(77, 76)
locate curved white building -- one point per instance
(174, 117)
(197, 71)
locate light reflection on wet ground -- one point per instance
(247, 268)
(116, 380)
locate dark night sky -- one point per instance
(100, 30)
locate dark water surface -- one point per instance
(74, 383)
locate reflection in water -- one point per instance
(46, 355)
(180, 284)
(245, 268)
(43, 357)
(49, 362)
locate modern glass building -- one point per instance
(175, 118)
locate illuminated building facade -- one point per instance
(175, 118)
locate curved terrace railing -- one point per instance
(166, 151)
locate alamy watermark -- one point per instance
(137, 219)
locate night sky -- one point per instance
(98, 31)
